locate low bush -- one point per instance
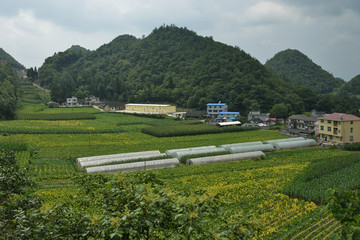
(338, 172)
(56, 116)
(187, 130)
(58, 131)
(352, 147)
(13, 146)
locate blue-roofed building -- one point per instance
(213, 109)
(228, 116)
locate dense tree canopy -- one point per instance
(171, 65)
(8, 92)
(7, 58)
(299, 69)
(175, 65)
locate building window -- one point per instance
(339, 131)
(210, 110)
(351, 122)
(351, 130)
(322, 128)
(351, 138)
(331, 137)
(329, 121)
(341, 139)
(322, 120)
(322, 135)
(329, 129)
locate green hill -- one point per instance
(9, 82)
(171, 65)
(299, 69)
(6, 58)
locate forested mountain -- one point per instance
(299, 69)
(6, 58)
(8, 92)
(171, 65)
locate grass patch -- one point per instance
(188, 130)
(56, 116)
(352, 147)
(332, 172)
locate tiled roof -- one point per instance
(340, 116)
(303, 117)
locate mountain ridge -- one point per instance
(5, 57)
(172, 65)
(298, 68)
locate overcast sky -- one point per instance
(327, 31)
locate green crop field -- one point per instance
(251, 188)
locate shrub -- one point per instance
(187, 130)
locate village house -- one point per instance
(227, 116)
(150, 108)
(258, 117)
(110, 106)
(71, 102)
(301, 125)
(213, 109)
(339, 128)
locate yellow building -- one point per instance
(339, 128)
(150, 108)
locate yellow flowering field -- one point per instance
(254, 187)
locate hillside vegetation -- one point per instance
(9, 82)
(297, 68)
(171, 65)
(5, 57)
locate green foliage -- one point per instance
(56, 116)
(280, 110)
(335, 172)
(13, 146)
(171, 65)
(8, 92)
(352, 147)
(137, 207)
(345, 206)
(58, 131)
(299, 69)
(187, 130)
(5, 57)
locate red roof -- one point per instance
(340, 116)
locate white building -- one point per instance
(213, 109)
(70, 102)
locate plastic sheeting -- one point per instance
(225, 158)
(284, 140)
(227, 146)
(183, 153)
(252, 148)
(121, 155)
(295, 144)
(170, 152)
(136, 166)
(119, 160)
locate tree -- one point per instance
(280, 110)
